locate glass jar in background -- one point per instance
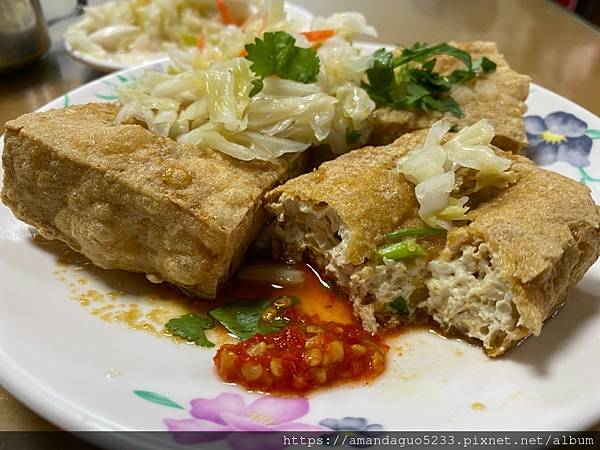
(23, 33)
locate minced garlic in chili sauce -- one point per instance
(323, 343)
(307, 354)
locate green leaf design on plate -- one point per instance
(105, 97)
(122, 78)
(586, 178)
(110, 84)
(158, 399)
(593, 133)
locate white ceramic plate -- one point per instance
(83, 373)
(295, 12)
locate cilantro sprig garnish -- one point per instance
(191, 328)
(244, 318)
(408, 81)
(276, 54)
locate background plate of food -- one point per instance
(96, 349)
(118, 35)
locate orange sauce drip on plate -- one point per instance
(317, 298)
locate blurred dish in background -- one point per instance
(118, 35)
(23, 33)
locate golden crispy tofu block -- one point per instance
(496, 279)
(130, 200)
(499, 97)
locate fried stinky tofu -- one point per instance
(495, 278)
(128, 199)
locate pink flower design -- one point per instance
(213, 419)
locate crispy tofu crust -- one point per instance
(128, 199)
(364, 189)
(499, 97)
(543, 231)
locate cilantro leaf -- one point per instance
(242, 318)
(420, 52)
(352, 135)
(382, 71)
(442, 104)
(257, 86)
(460, 76)
(380, 76)
(191, 328)
(276, 54)
(487, 65)
(203, 341)
(399, 304)
(480, 65)
(262, 55)
(408, 81)
(302, 67)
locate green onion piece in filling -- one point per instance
(401, 250)
(414, 232)
(399, 304)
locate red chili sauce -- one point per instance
(323, 344)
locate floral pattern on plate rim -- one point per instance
(560, 136)
(112, 85)
(215, 418)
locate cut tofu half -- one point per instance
(128, 199)
(498, 97)
(495, 279)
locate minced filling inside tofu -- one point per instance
(316, 230)
(301, 227)
(467, 293)
(383, 283)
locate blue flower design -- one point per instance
(350, 426)
(559, 137)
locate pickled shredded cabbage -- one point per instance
(348, 24)
(432, 168)
(228, 42)
(150, 27)
(208, 103)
